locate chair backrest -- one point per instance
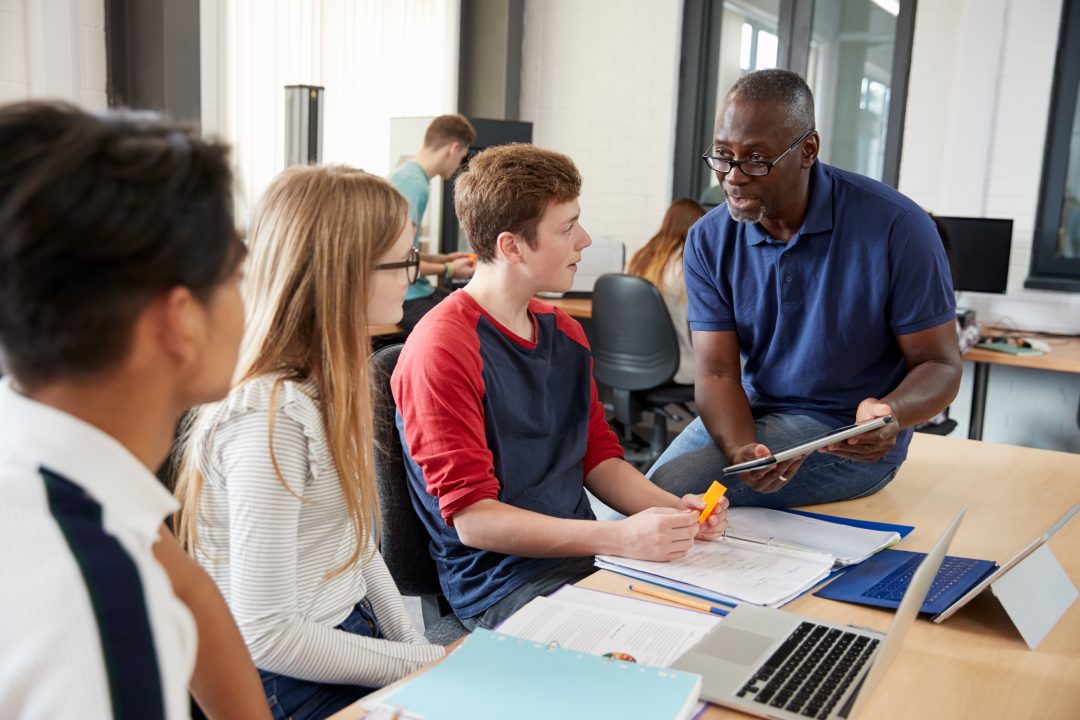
(404, 543)
(634, 345)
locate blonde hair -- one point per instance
(667, 245)
(315, 237)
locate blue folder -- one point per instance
(902, 530)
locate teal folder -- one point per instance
(497, 676)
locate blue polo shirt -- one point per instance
(817, 317)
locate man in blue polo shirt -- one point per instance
(836, 292)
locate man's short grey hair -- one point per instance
(782, 86)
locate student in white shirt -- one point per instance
(660, 261)
(119, 307)
(277, 481)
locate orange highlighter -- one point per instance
(712, 496)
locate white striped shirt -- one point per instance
(89, 624)
(270, 549)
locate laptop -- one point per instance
(881, 580)
(772, 663)
(605, 255)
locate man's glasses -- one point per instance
(753, 168)
(411, 265)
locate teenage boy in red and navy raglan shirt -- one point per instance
(498, 413)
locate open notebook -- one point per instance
(768, 557)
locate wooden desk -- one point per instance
(580, 308)
(1064, 356)
(376, 330)
(974, 665)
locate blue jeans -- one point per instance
(294, 699)
(693, 461)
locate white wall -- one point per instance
(978, 108)
(53, 49)
(599, 82)
(975, 133)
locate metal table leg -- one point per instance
(978, 400)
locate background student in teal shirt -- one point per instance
(446, 143)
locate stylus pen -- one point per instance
(678, 600)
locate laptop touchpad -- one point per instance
(734, 645)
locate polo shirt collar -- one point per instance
(819, 208)
(88, 457)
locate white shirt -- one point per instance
(269, 549)
(86, 612)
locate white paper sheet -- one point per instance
(603, 631)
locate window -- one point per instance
(1055, 259)
(853, 53)
(850, 70)
(354, 49)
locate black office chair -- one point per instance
(404, 543)
(636, 353)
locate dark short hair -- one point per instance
(99, 214)
(507, 188)
(778, 86)
(446, 129)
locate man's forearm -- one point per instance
(725, 410)
(925, 391)
(428, 267)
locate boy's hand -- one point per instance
(716, 524)
(658, 534)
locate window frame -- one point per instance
(699, 65)
(1048, 271)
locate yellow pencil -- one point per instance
(678, 599)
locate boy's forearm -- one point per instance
(497, 527)
(225, 682)
(620, 486)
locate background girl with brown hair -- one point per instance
(660, 262)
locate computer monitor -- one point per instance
(980, 252)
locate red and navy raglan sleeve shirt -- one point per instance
(485, 414)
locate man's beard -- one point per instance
(747, 217)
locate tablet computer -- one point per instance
(810, 445)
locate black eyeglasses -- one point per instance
(411, 265)
(753, 168)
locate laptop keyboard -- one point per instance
(810, 672)
(892, 586)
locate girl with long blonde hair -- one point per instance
(277, 481)
(660, 262)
